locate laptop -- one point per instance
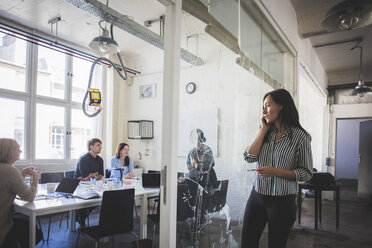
(67, 186)
(151, 180)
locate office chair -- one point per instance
(155, 198)
(68, 174)
(51, 177)
(107, 173)
(116, 216)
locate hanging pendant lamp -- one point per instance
(104, 44)
(361, 89)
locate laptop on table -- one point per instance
(67, 186)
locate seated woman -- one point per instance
(13, 231)
(122, 160)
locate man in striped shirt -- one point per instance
(283, 154)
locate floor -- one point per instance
(355, 229)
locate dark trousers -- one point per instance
(278, 211)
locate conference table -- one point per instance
(45, 204)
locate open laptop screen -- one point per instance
(68, 185)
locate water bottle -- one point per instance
(93, 182)
(112, 177)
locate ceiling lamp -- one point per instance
(361, 89)
(348, 15)
(104, 44)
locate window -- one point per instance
(12, 63)
(49, 132)
(13, 124)
(51, 73)
(81, 70)
(82, 129)
(44, 117)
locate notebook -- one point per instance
(88, 194)
(151, 180)
(67, 186)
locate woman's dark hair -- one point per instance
(288, 116)
(201, 137)
(118, 150)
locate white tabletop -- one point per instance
(49, 204)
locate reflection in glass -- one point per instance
(12, 63)
(50, 132)
(13, 124)
(51, 74)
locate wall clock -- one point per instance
(190, 88)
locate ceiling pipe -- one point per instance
(123, 22)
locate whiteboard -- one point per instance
(205, 120)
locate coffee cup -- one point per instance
(50, 188)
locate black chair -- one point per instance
(155, 198)
(116, 216)
(107, 173)
(69, 174)
(51, 177)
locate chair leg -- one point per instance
(50, 220)
(135, 209)
(60, 222)
(38, 220)
(77, 240)
(67, 218)
(135, 235)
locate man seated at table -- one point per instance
(90, 165)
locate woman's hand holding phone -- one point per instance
(264, 124)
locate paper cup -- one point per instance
(110, 185)
(50, 188)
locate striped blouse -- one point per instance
(292, 151)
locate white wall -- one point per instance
(311, 104)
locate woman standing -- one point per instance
(283, 155)
(122, 160)
(12, 184)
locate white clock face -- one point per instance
(190, 88)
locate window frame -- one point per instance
(31, 99)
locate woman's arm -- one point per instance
(19, 186)
(269, 171)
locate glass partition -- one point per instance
(220, 119)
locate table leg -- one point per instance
(143, 217)
(316, 208)
(299, 203)
(32, 231)
(72, 220)
(320, 206)
(337, 206)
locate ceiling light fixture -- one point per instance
(348, 15)
(103, 44)
(361, 89)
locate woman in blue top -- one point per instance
(122, 160)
